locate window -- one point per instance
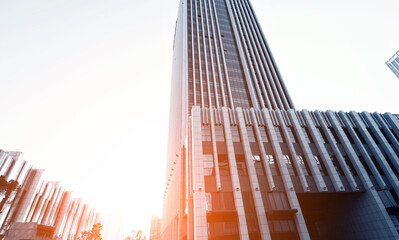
(305, 169)
(290, 166)
(391, 165)
(235, 134)
(307, 135)
(275, 200)
(273, 167)
(287, 159)
(222, 201)
(350, 166)
(250, 215)
(251, 136)
(241, 166)
(208, 201)
(206, 133)
(395, 222)
(365, 166)
(386, 136)
(321, 166)
(293, 137)
(377, 165)
(316, 158)
(300, 159)
(260, 171)
(359, 135)
(279, 134)
(208, 165)
(323, 136)
(279, 226)
(334, 134)
(337, 166)
(219, 134)
(394, 134)
(373, 136)
(223, 165)
(348, 135)
(263, 134)
(270, 159)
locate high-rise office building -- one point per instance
(393, 63)
(244, 164)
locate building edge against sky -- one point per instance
(39, 204)
(244, 164)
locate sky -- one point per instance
(85, 85)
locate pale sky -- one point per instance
(85, 85)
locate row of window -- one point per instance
(224, 170)
(219, 132)
(308, 136)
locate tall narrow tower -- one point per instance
(244, 164)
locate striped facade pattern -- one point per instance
(393, 63)
(43, 202)
(279, 159)
(270, 164)
(218, 33)
(155, 228)
(242, 163)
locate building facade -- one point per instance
(155, 228)
(30, 230)
(393, 63)
(244, 164)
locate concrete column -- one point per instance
(268, 172)
(337, 152)
(390, 175)
(392, 122)
(257, 196)
(374, 211)
(380, 181)
(381, 139)
(294, 160)
(318, 178)
(361, 171)
(235, 181)
(60, 217)
(52, 203)
(285, 175)
(325, 157)
(199, 198)
(215, 152)
(32, 184)
(387, 132)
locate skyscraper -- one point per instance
(244, 164)
(393, 63)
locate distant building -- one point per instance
(37, 206)
(393, 63)
(30, 230)
(155, 228)
(12, 167)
